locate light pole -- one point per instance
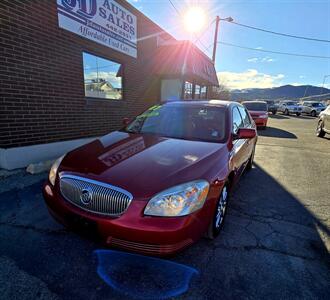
(215, 42)
(325, 76)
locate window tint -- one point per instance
(103, 78)
(245, 116)
(237, 120)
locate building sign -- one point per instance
(102, 21)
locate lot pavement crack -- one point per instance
(264, 248)
(36, 229)
(264, 218)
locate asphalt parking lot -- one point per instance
(275, 243)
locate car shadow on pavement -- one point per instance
(277, 133)
(304, 117)
(270, 247)
(278, 117)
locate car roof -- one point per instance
(187, 102)
(255, 101)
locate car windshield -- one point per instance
(256, 106)
(291, 103)
(317, 105)
(270, 102)
(191, 122)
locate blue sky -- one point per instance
(238, 68)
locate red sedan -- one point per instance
(161, 182)
(258, 111)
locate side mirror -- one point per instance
(125, 121)
(245, 133)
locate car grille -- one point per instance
(94, 196)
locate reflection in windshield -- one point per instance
(191, 122)
(143, 277)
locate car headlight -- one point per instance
(180, 200)
(53, 170)
(263, 116)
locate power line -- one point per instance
(203, 45)
(282, 34)
(198, 38)
(275, 52)
(204, 31)
(175, 8)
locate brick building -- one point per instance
(71, 70)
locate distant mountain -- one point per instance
(281, 92)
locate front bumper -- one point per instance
(133, 231)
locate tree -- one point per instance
(220, 92)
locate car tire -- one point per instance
(313, 113)
(297, 114)
(319, 130)
(250, 162)
(286, 112)
(219, 214)
(274, 112)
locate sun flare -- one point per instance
(194, 19)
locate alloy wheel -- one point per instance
(221, 209)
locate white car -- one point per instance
(323, 125)
(290, 107)
(312, 108)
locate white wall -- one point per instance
(20, 157)
(171, 89)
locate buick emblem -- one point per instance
(86, 196)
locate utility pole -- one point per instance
(215, 43)
(217, 21)
(325, 76)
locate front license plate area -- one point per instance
(83, 225)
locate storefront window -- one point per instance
(197, 92)
(188, 88)
(103, 78)
(203, 92)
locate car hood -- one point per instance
(145, 164)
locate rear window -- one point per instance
(257, 106)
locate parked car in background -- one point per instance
(290, 107)
(258, 111)
(312, 108)
(161, 182)
(272, 107)
(323, 125)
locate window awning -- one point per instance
(184, 59)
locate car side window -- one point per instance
(237, 120)
(245, 117)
